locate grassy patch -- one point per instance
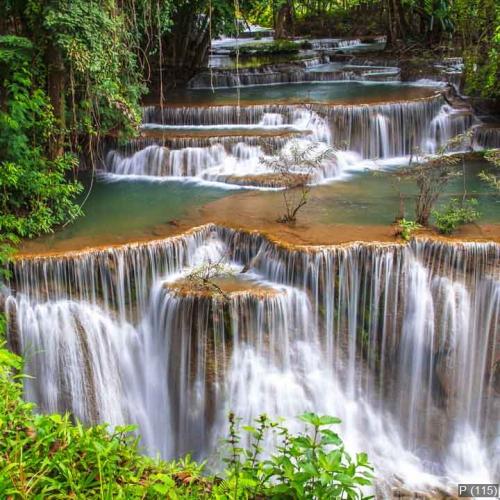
(266, 48)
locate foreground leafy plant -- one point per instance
(49, 456)
(455, 214)
(313, 464)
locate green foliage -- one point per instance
(492, 178)
(48, 456)
(456, 213)
(70, 79)
(35, 194)
(87, 53)
(407, 228)
(313, 464)
(478, 25)
(104, 81)
(432, 174)
(266, 48)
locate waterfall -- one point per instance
(486, 137)
(333, 43)
(212, 163)
(236, 163)
(383, 130)
(427, 123)
(400, 341)
(255, 76)
(271, 143)
(227, 114)
(305, 71)
(448, 123)
(84, 362)
(244, 135)
(148, 161)
(190, 161)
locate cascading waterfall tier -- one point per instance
(400, 341)
(333, 43)
(288, 73)
(486, 137)
(239, 164)
(229, 114)
(371, 130)
(270, 144)
(357, 132)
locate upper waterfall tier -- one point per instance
(217, 111)
(314, 51)
(292, 73)
(397, 340)
(355, 132)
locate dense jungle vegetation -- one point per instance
(75, 71)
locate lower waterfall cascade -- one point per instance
(399, 341)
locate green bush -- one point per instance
(406, 228)
(455, 214)
(36, 194)
(313, 464)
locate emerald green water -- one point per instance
(331, 92)
(373, 197)
(116, 212)
(124, 211)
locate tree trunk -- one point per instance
(186, 48)
(284, 23)
(394, 23)
(56, 88)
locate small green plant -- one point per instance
(313, 464)
(406, 228)
(455, 214)
(492, 178)
(294, 169)
(274, 47)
